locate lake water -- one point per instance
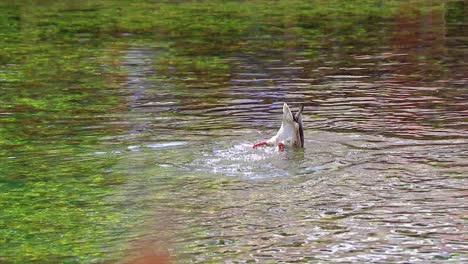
(128, 126)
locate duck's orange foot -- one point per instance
(259, 144)
(280, 146)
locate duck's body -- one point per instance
(291, 132)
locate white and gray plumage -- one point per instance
(291, 132)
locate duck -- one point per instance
(291, 132)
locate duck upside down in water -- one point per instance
(291, 132)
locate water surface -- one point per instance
(130, 125)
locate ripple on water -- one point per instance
(242, 160)
(355, 197)
(238, 158)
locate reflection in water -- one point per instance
(143, 139)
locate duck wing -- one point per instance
(298, 120)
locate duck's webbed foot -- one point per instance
(259, 144)
(280, 146)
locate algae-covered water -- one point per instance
(126, 127)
